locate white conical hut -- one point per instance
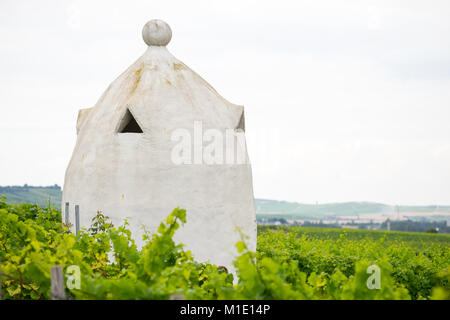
(126, 161)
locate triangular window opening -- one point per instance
(129, 124)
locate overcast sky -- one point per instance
(344, 100)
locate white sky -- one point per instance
(345, 100)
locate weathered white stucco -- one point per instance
(132, 174)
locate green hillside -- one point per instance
(39, 195)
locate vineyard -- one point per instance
(290, 263)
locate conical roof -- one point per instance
(156, 88)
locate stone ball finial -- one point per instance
(156, 33)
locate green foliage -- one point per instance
(419, 240)
(286, 265)
(413, 265)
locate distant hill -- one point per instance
(264, 207)
(32, 194)
(290, 210)
(294, 209)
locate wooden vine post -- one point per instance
(57, 283)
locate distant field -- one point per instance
(416, 239)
